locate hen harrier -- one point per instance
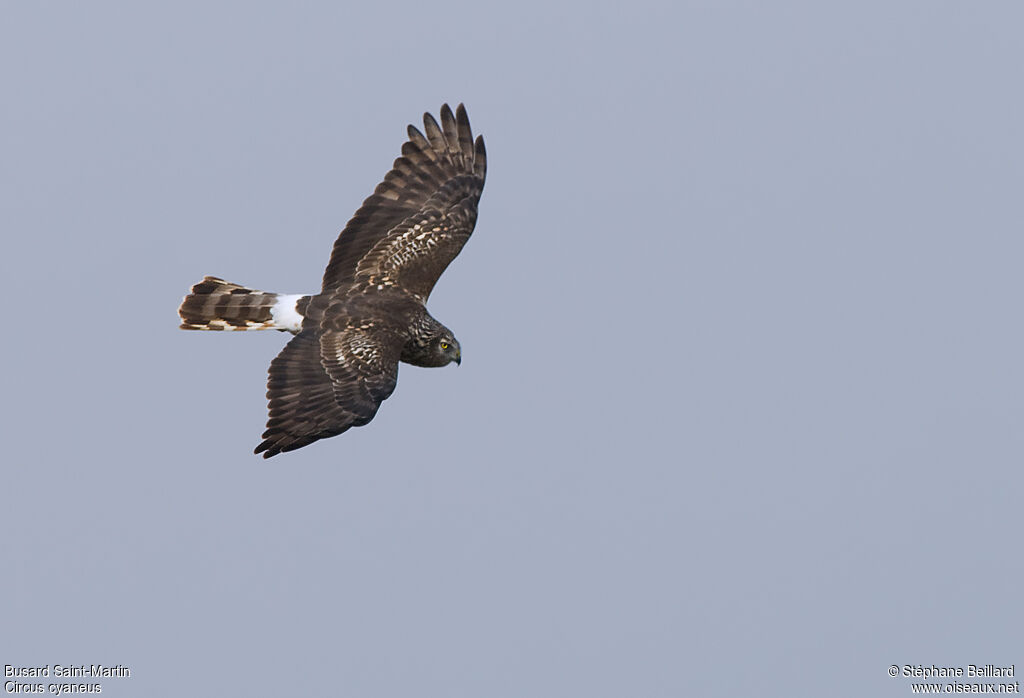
(370, 313)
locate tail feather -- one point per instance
(215, 304)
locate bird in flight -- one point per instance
(370, 313)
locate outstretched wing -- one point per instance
(420, 216)
(322, 384)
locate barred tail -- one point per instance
(215, 304)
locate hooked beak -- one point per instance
(458, 359)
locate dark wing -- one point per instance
(420, 216)
(322, 384)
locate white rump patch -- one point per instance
(286, 317)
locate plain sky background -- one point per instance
(741, 402)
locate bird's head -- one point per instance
(447, 349)
(431, 344)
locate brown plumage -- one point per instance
(370, 313)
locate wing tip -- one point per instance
(480, 157)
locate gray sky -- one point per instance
(741, 399)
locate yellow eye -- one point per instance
(444, 345)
